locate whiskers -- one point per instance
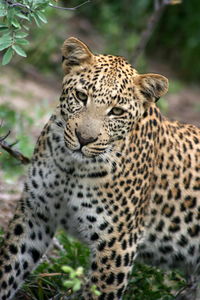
(111, 157)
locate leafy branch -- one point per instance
(15, 20)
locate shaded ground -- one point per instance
(185, 106)
(27, 93)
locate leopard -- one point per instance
(115, 173)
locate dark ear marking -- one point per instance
(152, 86)
(158, 87)
(73, 61)
(146, 94)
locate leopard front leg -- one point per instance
(111, 264)
(26, 240)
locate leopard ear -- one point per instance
(75, 53)
(152, 86)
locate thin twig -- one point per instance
(17, 4)
(69, 8)
(5, 136)
(25, 10)
(16, 154)
(11, 4)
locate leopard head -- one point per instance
(103, 98)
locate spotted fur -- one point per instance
(111, 170)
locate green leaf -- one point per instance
(6, 35)
(3, 12)
(22, 41)
(37, 20)
(25, 27)
(7, 56)
(77, 285)
(41, 5)
(15, 23)
(5, 45)
(5, 38)
(10, 14)
(5, 30)
(19, 50)
(3, 25)
(67, 269)
(22, 16)
(42, 17)
(21, 35)
(79, 271)
(68, 283)
(95, 291)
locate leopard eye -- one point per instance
(116, 111)
(81, 96)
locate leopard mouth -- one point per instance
(80, 152)
(88, 151)
(85, 155)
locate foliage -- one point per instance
(77, 280)
(63, 273)
(150, 283)
(14, 27)
(41, 40)
(16, 21)
(60, 274)
(121, 22)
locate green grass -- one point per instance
(48, 280)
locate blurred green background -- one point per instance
(30, 89)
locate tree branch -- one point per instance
(14, 4)
(11, 3)
(14, 153)
(69, 8)
(159, 7)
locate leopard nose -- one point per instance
(84, 140)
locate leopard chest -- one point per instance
(84, 212)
